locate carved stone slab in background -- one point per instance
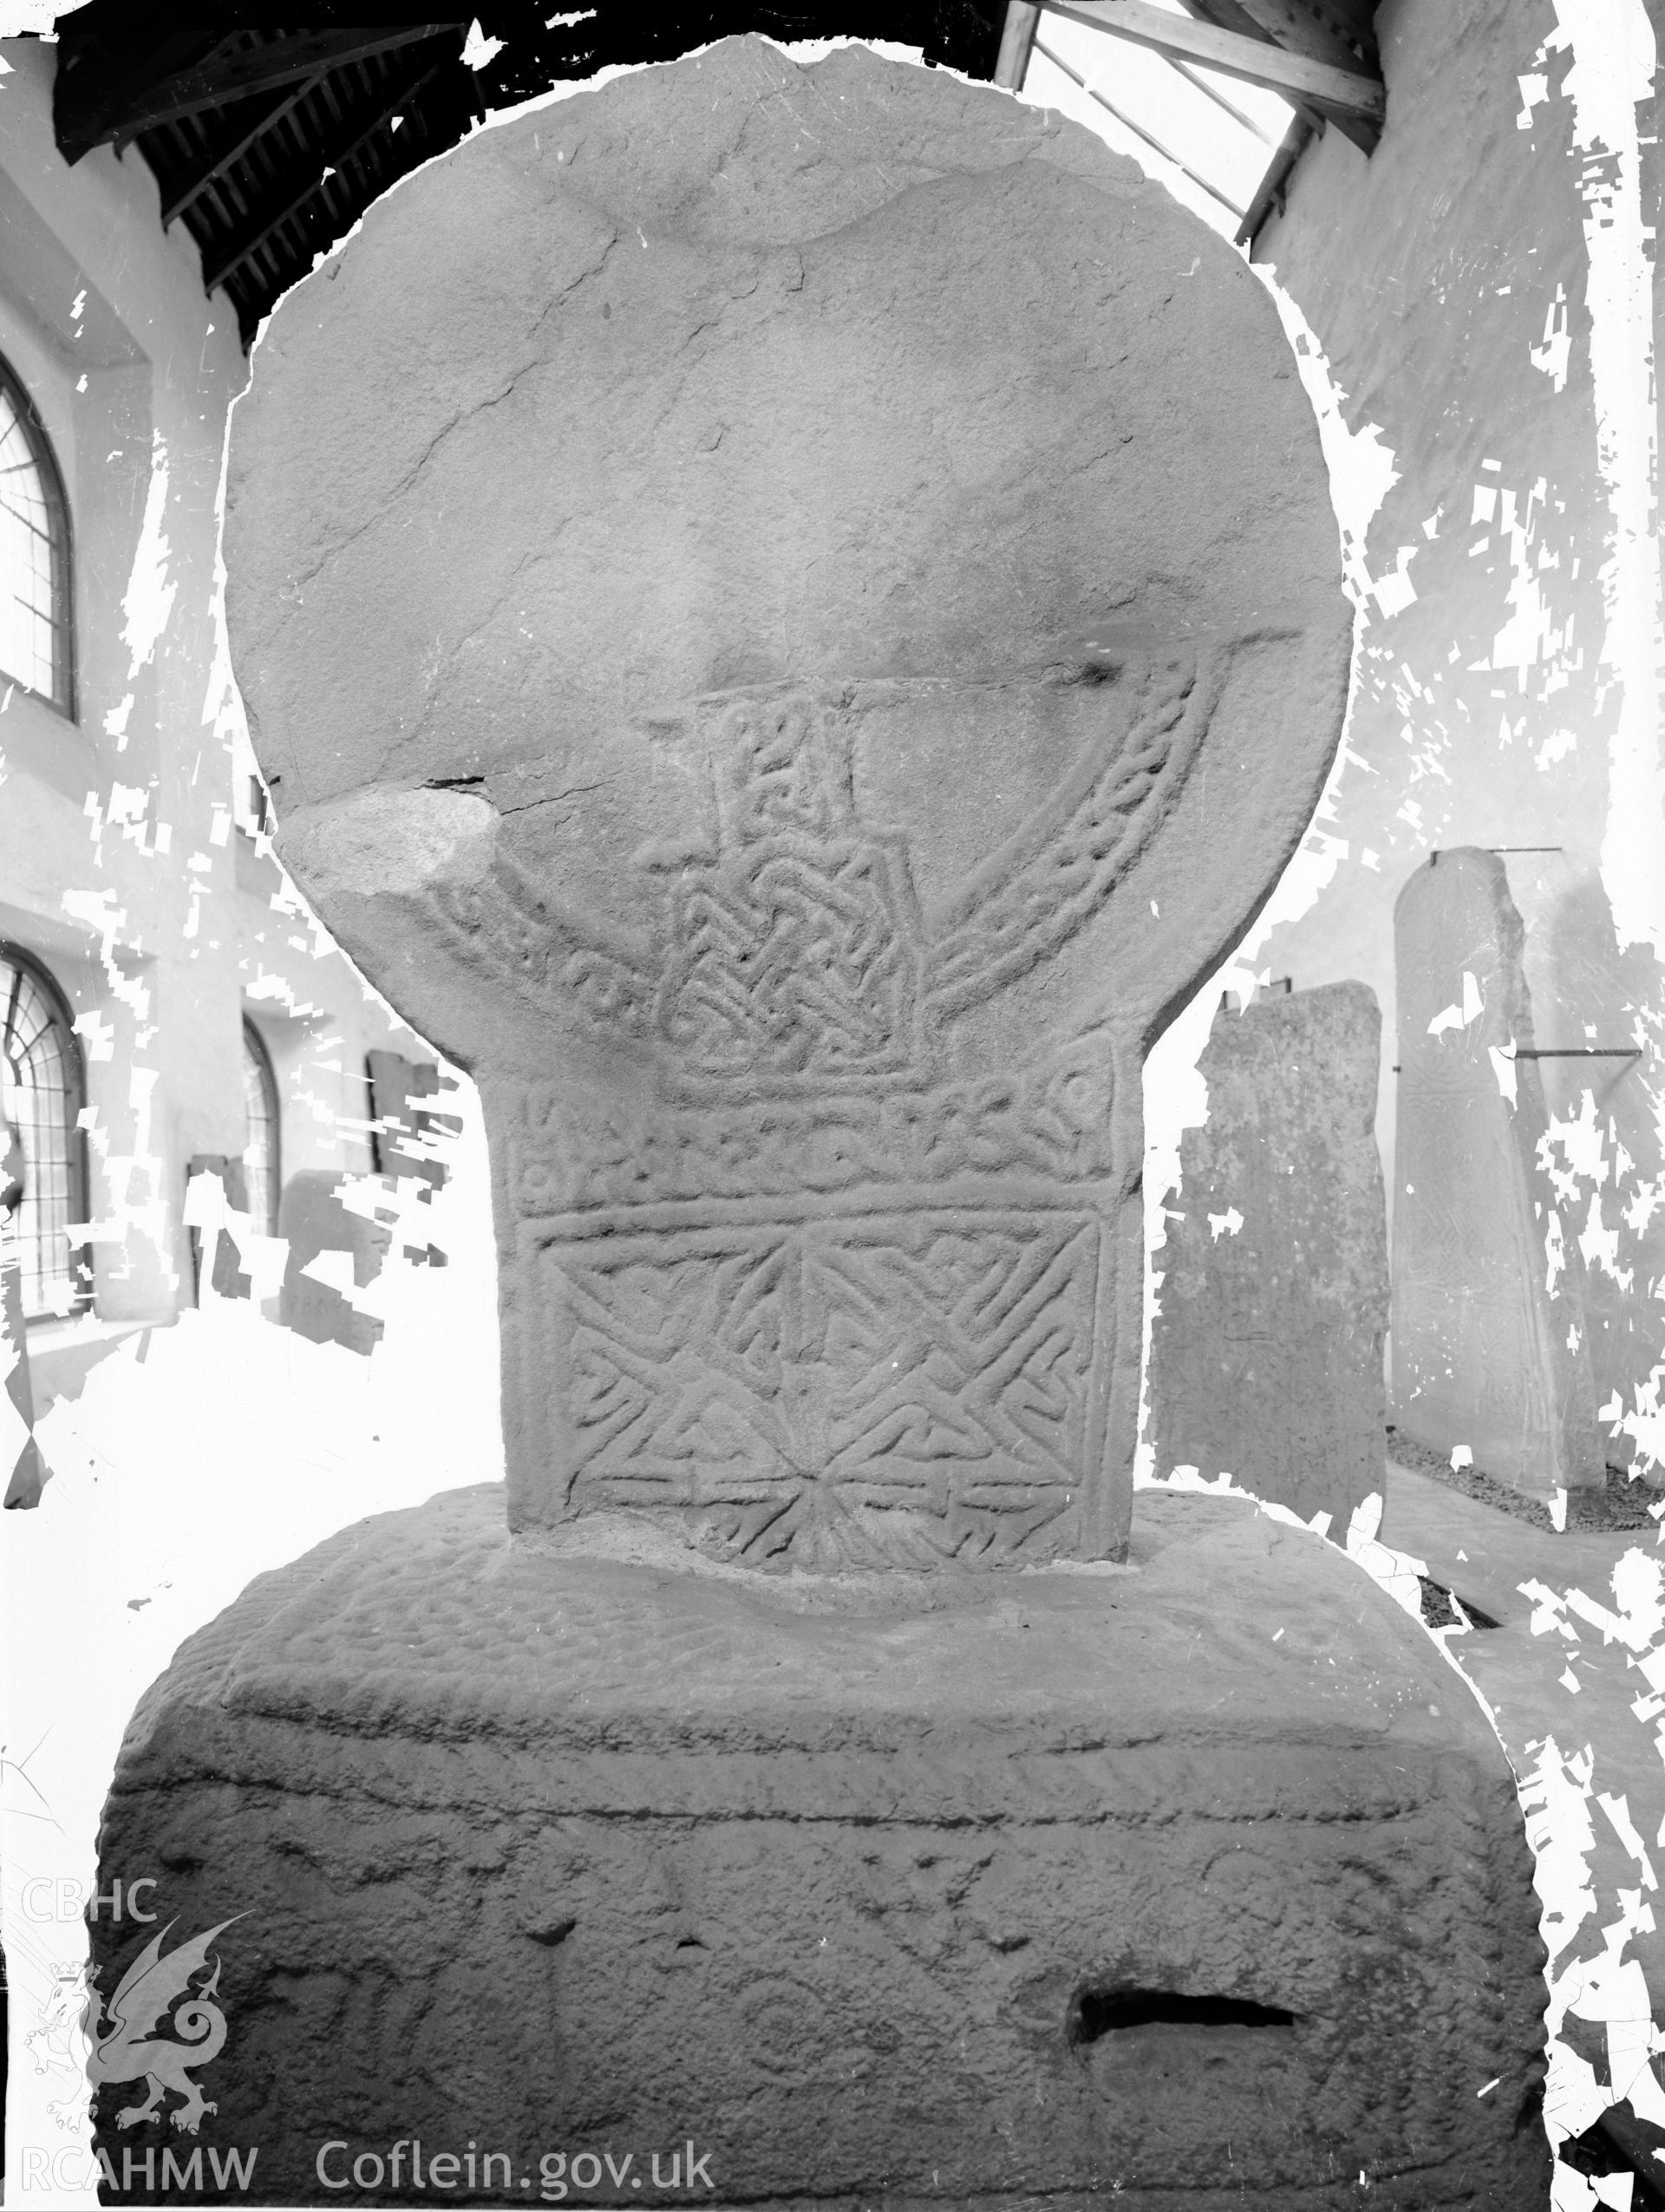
(1266, 1355)
(761, 670)
(1488, 1347)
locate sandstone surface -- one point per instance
(793, 613)
(1266, 1355)
(884, 1890)
(1489, 1347)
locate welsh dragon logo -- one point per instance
(154, 1993)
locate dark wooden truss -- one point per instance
(268, 138)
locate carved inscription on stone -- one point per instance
(1052, 1124)
(809, 1286)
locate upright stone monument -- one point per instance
(1266, 1354)
(1489, 1342)
(796, 613)
(740, 678)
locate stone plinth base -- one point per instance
(881, 1891)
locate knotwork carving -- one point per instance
(905, 1388)
(1052, 1124)
(796, 949)
(1063, 864)
(786, 949)
(803, 1290)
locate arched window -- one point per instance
(35, 630)
(41, 1093)
(262, 1159)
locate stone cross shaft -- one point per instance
(836, 634)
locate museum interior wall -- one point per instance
(1447, 279)
(138, 889)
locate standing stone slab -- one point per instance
(1266, 1354)
(1489, 1347)
(768, 666)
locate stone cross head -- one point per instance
(795, 613)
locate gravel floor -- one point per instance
(1622, 1504)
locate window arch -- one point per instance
(37, 632)
(263, 1155)
(42, 1090)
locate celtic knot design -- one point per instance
(914, 1389)
(814, 1288)
(789, 948)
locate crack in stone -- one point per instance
(553, 797)
(463, 414)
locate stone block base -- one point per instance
(1013, 1891)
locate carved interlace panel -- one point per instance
(798, 1287)
(899, 1388)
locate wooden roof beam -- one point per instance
(1303, 28)
(1269, 193)
(354, 134)
(1332, 91)
(1139, 131)
(1213, 92)
(1017, 44)
(1319, 26)
(99, 80)
(230, 147)
(224, 76)
(1310, 27)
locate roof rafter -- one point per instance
(214, 79)
(1333, 91)
(1213, 92)
(92, 92)
(1017, 44)
(1322, 31)
(1269, 193)
(1138, 130)
(229, 147)
(354, 133)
